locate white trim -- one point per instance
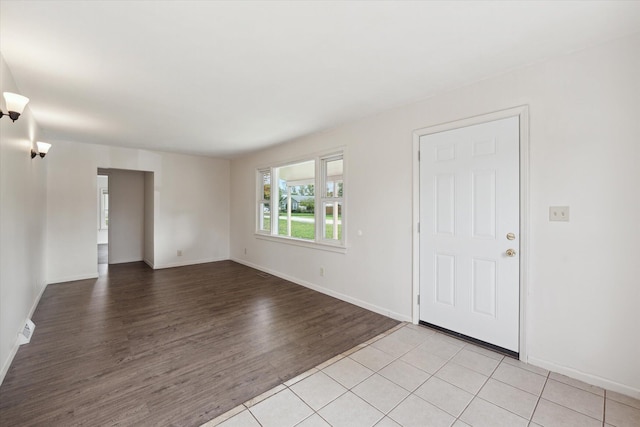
(260, 200)
(326, 291)
(74, 278)
(322, 245)
(304, 158)
(185, 263)
(149, 263)
(16, 345)
(587, 378)
(523, 114)
(321, 199)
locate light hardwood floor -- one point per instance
(171, 347)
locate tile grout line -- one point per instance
(254, 417)
(405, 398)
(411, 393)
(485, 383)
(358, 347)
(579, 389)
(385, 414)
(450, 360)
(478, 392)
(530, 420)
(323, 406)
(434, 375)
(270, 393)
(518, 388)
(622, 403)
(397, 358)
(535, 408)
(604, 408)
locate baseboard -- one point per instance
(14, 350)
(73, 278)
(185, 263)
(326, 291)
(149, 263)
(585, 377)
(125, 261)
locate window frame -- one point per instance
(320, 181)
(260, 173)
(324, 198)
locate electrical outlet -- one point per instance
(321, 271)
(179, 252)
(245, 251)
(559, 213)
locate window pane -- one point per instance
(266, 185)
(296, 183)
(333, 173)
(265, 217)
(332, 217)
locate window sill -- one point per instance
(304, 243)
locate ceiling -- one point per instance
(225, 78)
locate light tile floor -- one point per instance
(415, 376)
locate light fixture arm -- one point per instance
(12, 115)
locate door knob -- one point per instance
(511, 252)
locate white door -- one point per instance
(469, 231)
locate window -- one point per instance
(290, 192)
(296, 200)
(332, 198)
(264, 207)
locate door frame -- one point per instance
(522, 112)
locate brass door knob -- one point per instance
(511, 252)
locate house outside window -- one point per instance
(292, 189)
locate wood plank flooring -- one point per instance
(103, 253)
(173, 347)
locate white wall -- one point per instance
(22, 223)
(191, 206)
(192, 193)
(584, 298)
(126, 216)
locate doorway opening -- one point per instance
(103, 219)
(125, 217)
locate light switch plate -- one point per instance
(558, 213)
